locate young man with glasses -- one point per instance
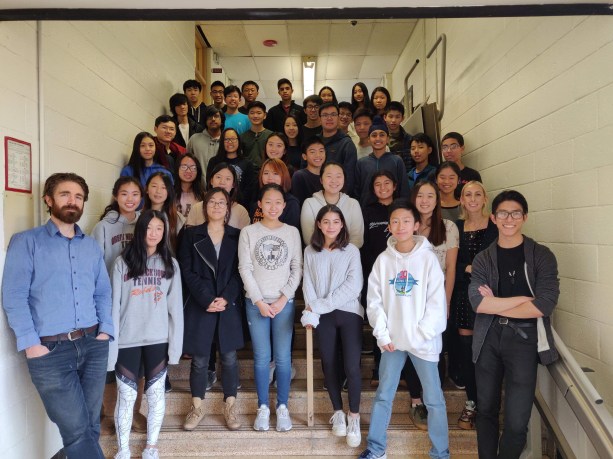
(312, 127)
(452, 147)
(339, 147)
(205, 144)
(217, 96)
(514, 290)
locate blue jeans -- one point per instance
(259, 327)
(389, 376)
(70, 380)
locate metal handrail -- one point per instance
(442, 39)
(408, 107)
(583, 399)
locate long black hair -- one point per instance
(135, 253)
(318, 239)
(438, 232)
(136, 162)
(221, 166)
(170, 205)
(114, 205)
(366, 103)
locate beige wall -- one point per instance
(534, 100)
(102, 82)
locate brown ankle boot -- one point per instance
(195, 415)
(229, 412)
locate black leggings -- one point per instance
(467, 366)
(154, 357)
(349, 326)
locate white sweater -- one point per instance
(406, 300)
(270, 261)
(351, 211)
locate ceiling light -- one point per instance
(308, 76)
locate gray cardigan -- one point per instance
(541, 270)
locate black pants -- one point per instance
(506, 356)
(467, 366)
(129, 360)
(349, 326)
(198, 376)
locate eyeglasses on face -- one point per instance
(231, 140)
(504, 214)
(452, 147)
(185, 167)
(220, 204)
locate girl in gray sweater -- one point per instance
(332, 286)
(270, 265)
(148, 321)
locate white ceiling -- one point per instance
(344, 53)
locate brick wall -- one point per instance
(102, 83)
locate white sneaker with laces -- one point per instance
(339, 423)
(123, 454)
(284, 422)
(262, 420)
(354, 435)
(150, 453)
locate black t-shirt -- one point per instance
(466, 175)
(512, 276)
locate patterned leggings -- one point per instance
(155, 360)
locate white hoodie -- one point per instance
(406, 300)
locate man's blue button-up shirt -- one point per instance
(53, 284)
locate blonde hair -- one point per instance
(463, 212)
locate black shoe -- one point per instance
(167, 385)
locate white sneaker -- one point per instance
(150, 453)
(284, 422)
(339, 423)
(123, 454)
(262, 420)
(354, 435)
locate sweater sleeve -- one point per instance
(307, 221)
(477, 279)
(310, 278)
(377, 317)
(245, 266)
(434, 320)
(547, 288)
(355, 224)
(350, 288)
(175, 316)
(289, 290)
(117, 282)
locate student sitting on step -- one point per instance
(407, 310)
(332, 286)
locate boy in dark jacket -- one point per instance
(514, 289)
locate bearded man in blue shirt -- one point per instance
(57, 297)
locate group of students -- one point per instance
(196, 250)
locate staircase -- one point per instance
(213, 439)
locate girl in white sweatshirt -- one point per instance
(148, 321)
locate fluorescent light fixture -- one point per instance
(308, 76)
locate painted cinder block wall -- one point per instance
(102, 83)
(534, 99)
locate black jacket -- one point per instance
(204, 279)
(275, 118)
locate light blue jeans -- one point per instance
(389, 376)
(259, 327)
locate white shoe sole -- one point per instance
(354, 442)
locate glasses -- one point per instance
(231, 140)
(217, 92)
(220, 204)
(504, 214)
(312, 107)
(452, 147)
(329, 115)
(185, 168)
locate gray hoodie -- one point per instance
(112, 234)
(203, 147)
(147, 310)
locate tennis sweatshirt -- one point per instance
(406, 302)
(147, 310)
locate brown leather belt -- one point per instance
(71, 335)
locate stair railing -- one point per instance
(584, 401)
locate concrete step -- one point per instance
(212, 438)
